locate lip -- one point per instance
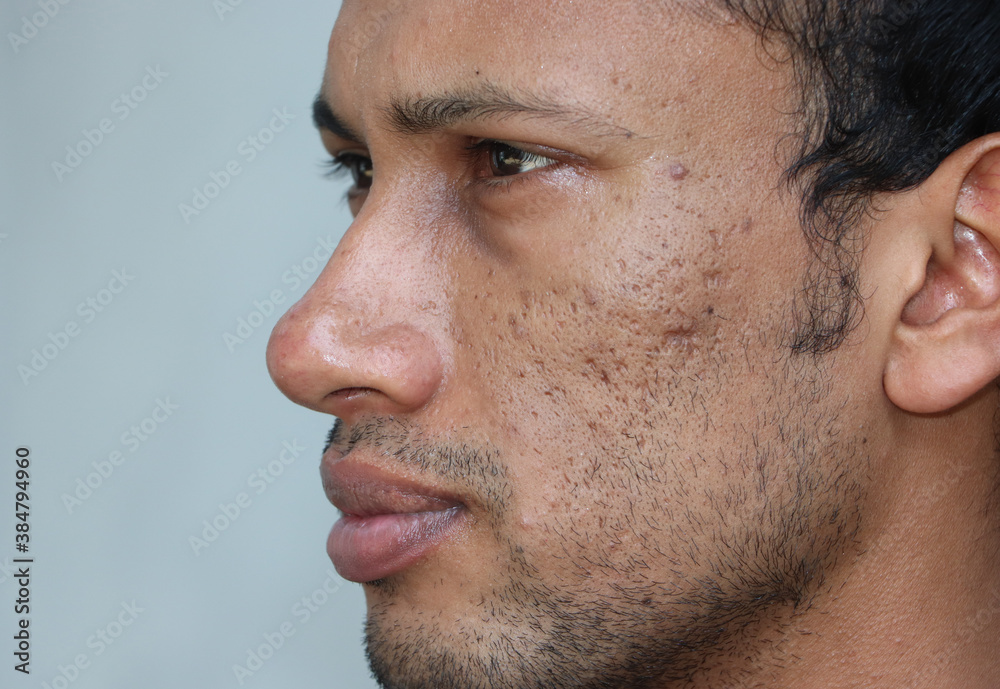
(389, 523)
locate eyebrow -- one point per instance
(487, 101)
(324, 118)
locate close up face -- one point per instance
(556, 334)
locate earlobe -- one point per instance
(946, 344)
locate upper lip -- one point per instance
(365, 490)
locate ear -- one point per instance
(946, 343)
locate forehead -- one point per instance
(505, 33)
(646, 56)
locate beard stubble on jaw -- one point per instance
(708, 582)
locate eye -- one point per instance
(507, 160)
(360, 168)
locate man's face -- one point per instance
(557, 337)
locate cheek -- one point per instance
(602, 330)
(597, 361)
(575, 363)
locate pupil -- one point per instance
(363, 173)
(508, 160)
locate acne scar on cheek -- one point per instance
(678, 172)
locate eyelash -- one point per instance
(475, 153)
(339, 165)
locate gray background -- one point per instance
(161, 339)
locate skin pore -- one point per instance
(566, 300)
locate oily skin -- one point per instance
(593, 356)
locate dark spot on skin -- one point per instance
(678, 172)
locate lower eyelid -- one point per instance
(509, 182)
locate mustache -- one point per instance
(334, 437)
(476, 467)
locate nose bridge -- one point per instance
(368, 334)
(381, 252)
(389, 267)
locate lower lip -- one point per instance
(364, 549)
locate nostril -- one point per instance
(350, 394)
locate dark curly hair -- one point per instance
(891, 88)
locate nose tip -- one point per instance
(335, 361)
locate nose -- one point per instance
(363, 340)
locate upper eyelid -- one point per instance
(351, 149)
(339, 162)
(532, 149)
(472, 141)
(334, 167)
